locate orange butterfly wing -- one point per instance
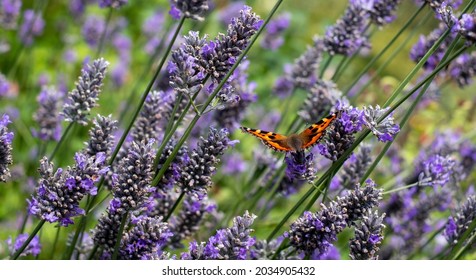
(273, 140)
(313, 133)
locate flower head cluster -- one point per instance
(347, 35)
(31, 27)
(186, 74)
(424, 44)
(145, 240)
(340, 135)
(302, 74)
(112, 3)
(34, 248)
(232, 112)
(59, 192)
(196, 174)
(9, 12)
(47, 115)
(466, 26)
(459, 223)
(313, 233)
(436, 170)
(6, 139)
(232, 243)
(383, 11)
(463, 69)
(322, 97)
(368, 237)
(354, 168)
(386, 129)
(130, 190)
(300, 166)
(84, 97)
(101, 136)
(219, 55)
(194, 9)
(92, 30)
(273, 38)
(188, 219)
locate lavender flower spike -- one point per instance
(368, 237)
(386, 129)
(84, 97)
(6, 139)
(196, 175)
(34, 248)
(101, 136)
(194, 9)
(383, 11)
(9, 11)
(233, 243)
(145, 240)
(460, 222)
(31, 27)
(466, 26)
(47, 115)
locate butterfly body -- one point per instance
(293, 142)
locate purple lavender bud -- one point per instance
(460, 221)
(84, 97)
(232, 113)
(59, 192)
(196, 174)
(300, 166)
(151, 23)
(436, 170)
(355, 168)
(463, 69)
(78, 7)
(173, 174)
(134, 173)
(424, 44)
(234, 164)
(219, 56)
(273, 37)
(466, 26)
(383, 11)
(340, 135)
(322, 97)
(233, 243)
(31, 27)
(145, 240)
(116, 4)
(47, 115)
(101, 136)
(283, 87)
(4, 86)
(188, 220)
(6, 139)
(34, 248)
(359, 200)
(386, 129)
(368, 237)
(313, 233)
(347, 35)
(194, 9)
(92, 30)
(9, 12)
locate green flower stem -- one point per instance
(62, 139)
(400, 188)
(93, 252)
(119, 236)
(463, 242)
(387, 47)
(177, 202)
(325, 65)
(58, 229)
(103, 35)
(27, 242)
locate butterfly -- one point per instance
(293, 142)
